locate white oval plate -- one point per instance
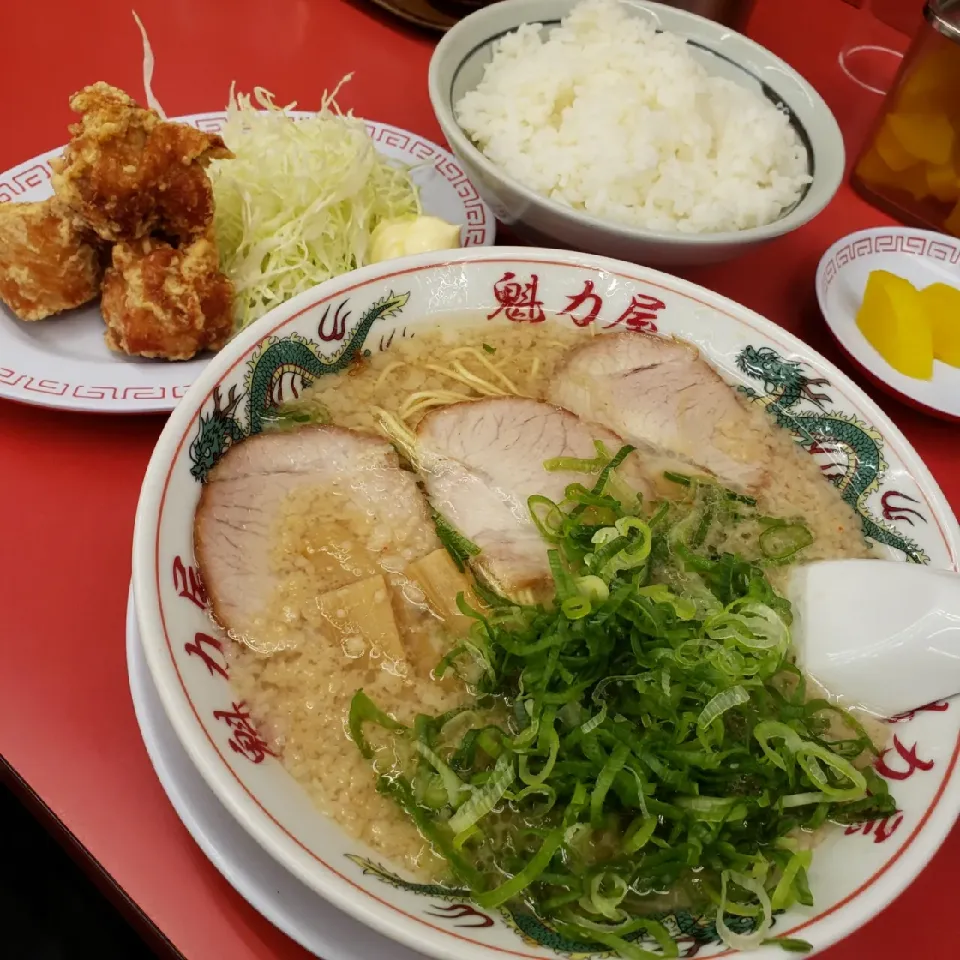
(920, 256)
(295, 909)
(63, 362)
(853, 876)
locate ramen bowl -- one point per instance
(855, 872)
(457, 66)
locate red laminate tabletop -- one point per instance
(69, 482)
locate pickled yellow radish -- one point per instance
(891, 151)
(873, 170)
(915, 181)
(924, 136)
(930, 84)
(893, 320)
(941, 304)
(943, 181)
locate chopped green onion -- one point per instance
(606, 904)
(575, 464)
(802, 799)
(644, 731)
(399, 789)
(752, 625)
(574, 608)
(461, 838)
(452, 784)
(708, 809)
(522, 880)
(741, 941)
(773, 729)
(725, 700)
(682, 608)
(783, 541)
(590, 725)
(456, 544)
(547, 737)
(790, 944)
(484, 799)
(808, 756)
(783, 896)
(293, 415)
(364, 710)
(547, 517)
(637, 835)
(604, 782)
(593, 588)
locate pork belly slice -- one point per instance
(245, 501)
(481, 461)
(661, 396)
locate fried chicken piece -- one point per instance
(127, 173)
(160, 301)
(48, 261)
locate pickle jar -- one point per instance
(910, 166)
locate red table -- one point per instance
(69, 482)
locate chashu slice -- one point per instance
(245, 502)
(660, 395)
(481, 460)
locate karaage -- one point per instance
(127, 173)
(49, 262)
(162, 301)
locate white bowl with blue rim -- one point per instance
(457, 66)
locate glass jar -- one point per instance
(910, 166)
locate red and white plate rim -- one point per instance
(31, 373)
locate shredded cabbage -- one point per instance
(148, 64)
(301, 198)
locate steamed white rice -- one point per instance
(609, 117)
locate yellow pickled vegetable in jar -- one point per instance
(891, 150)
(923, 136)
(893, 320)
(943, 181)
(910, 166)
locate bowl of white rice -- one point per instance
(632, 129)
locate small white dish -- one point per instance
(457, 66)
(64, 363)
(289, 905)
(920, 256)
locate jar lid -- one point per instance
(944, 17)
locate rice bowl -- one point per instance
(551, 182)
(611, 117)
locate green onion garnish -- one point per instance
(645, 731)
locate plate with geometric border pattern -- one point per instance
(63, 362)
